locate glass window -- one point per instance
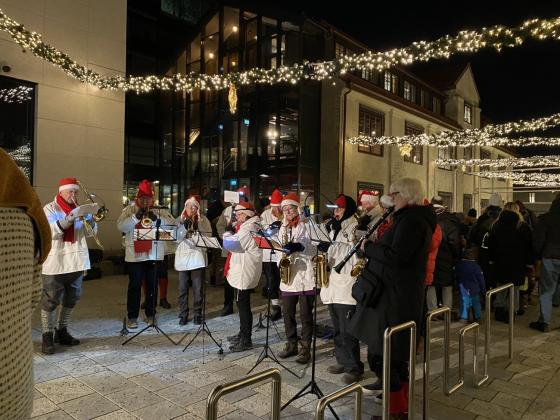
(447, 199)
(289, 138)
(417, 153)
(409, 91)
(231, 28)
(424, 98)
(468, 154)
(251, 43)
(194, 50)
(467, 202)
(211, 54)
(17, 122)
(485, 202)
(372, 124)
(436, 105)
(468, 113)
(370, 75)
(446, 153)
(212, 26)
(290, 45)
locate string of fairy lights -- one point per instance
(524, 178)
(517, 162)
(16, 95)
(496, 37)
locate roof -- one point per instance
(443, 75)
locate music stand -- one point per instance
(264, 242)
(155, 234)
(316, 235)
(204, 242)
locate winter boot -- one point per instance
(62, 336)
(304, 355)
(289, 350)
(48, 343)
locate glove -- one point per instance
(140, 214)
(67, 221)
(187, 223)
(323, 246)
(363, 222)
(292, 247)
(230, 229)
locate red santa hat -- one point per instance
(290, 199)
(276, 198)
(193, 201)
(68, 184)
(340, 201)
(369, 197)
(244, 191)
(245, 208)
(145, 189)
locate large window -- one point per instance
(390, 82)
(409, 91)
(468, 113)
(17, 127)
(446, 153)
(417, 153)
(372, 124)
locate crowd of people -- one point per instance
(420, 256)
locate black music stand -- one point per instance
(154, 235)
(312, 384)
(203, 242)
(267, 350)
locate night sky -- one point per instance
(517, 83)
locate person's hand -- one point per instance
(363, 222)
(363, 245)
(230, 229)
(323, 246)
(187, 223)
(292, 247)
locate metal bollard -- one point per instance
(327, 399)
(427, 352)
(474, 326)
(224, 389)
(410, 325)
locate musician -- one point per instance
(300, 287)
(141, 255)
(243, 270)
(371, 210)
(65, 266)
(190, 260)
(270, 260)
(338, 294)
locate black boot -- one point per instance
(304, 355)
(227, 310)
(242, 345)
(62, 336)
(48, 343)
(290, 349)
(276, 313)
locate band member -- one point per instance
(141, 255)
(243, 270)
(65, 265)
(300, 285)
(190, 259)
(228, 220)
(338, 294)
(270, 260)
(371, 210)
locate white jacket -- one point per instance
(189, 256)
(223, 220)
(245, 265)
(267, 218)
(340, 285)
(65, 257)
(301, 269)
(127, 222)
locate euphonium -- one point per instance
(285, 264)
(320, 270)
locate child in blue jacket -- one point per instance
(471, 284)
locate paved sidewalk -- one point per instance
(152, 379)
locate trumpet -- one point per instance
(285, 264)
(97, 217)
(148, 218)
(320, 270)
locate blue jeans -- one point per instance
(468, 302)
(550, 275)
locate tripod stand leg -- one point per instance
(136, 335)
(194, 338)
(158, 329)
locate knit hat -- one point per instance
(244, 191)
(290, 199)
(245, 208)
(340, 201)
(369, 197)
(276, 198)
(68, 184)
(145, 189)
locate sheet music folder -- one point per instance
(166, 233)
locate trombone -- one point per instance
(97, 217)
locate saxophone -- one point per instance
(320, 271)
(285, 263)
(361, 263)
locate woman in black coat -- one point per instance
(510, 254)
(396, 265)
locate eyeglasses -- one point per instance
(392, 194)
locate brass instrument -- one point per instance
(320, 270)
(358, 267)
(285, 264)
(97, 217)
(147, 219)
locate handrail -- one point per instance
(224, 389)
(410, 325)
(327, 399)
(474, 326)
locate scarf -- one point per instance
(66, 208)
(228, 258)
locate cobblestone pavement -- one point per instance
(150, 378)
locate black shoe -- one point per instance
(47, 346)
(197, 319)
(184, 320)
(290, 349)
(241, 345)
(276, 313)
(350, 378)
(372, 389)
(227, 310)
(62, 336)
(539, 326)
(164, 304)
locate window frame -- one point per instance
(376, 150)
(413, 129)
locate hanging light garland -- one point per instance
(490, 135)
(16, 95)
(522, 177)
(496, 37)
(520, 162)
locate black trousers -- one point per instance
(272, 274)
(346, 346)
(399, 370)
(138, 271)
(190, 278)
(245, 314)
(228, 294)
(305, 315)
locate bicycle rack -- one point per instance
(410, 325)
(474, 326)
(327, 399)
(224, 389)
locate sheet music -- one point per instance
(85, 209)
(166, 233)
(202, 241)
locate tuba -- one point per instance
(285, 264)
(97, 217)
(320, 270)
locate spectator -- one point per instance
(471, 284)
(476, 240)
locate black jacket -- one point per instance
(546, 236)
(449, 251)
(398, 260)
